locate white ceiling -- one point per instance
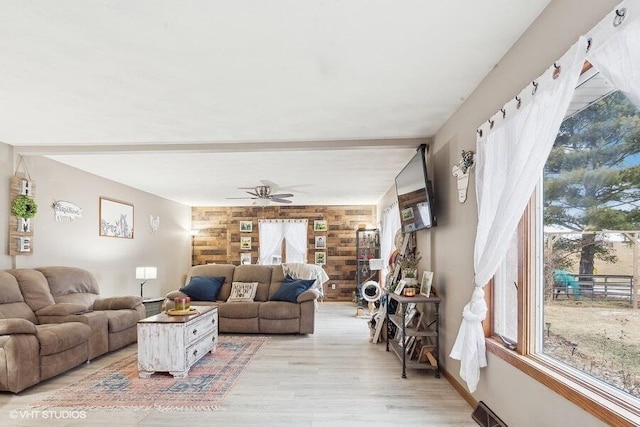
(190, 99)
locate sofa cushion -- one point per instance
(12, 303)
(58, 337)
(203, 288)
(243, 291)
(34, 288)
(72, 284)
(215, 270)
(279, 310)
(255, 273)
(291, 288)
(240, 310)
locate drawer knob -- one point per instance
(195, 352)
(195, 331)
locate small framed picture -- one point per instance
(246, 226)
(245, 258)
(399, 287)
(245, 243)
(321, 258)
(425, 285)
(407, 214)
(321, 242)
(320, 225)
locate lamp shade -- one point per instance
(146, 273)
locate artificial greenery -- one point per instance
(24, 207)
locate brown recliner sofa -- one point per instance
(262, 315)
(53, 319)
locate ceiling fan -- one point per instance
(263, 194)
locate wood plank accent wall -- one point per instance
(219, 237)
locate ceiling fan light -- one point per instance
(262, 202)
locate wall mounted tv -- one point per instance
(415, 195)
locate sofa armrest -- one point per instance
(16, 326)
(61, 309)
(175, 294)
(117, 303)
(308, 295)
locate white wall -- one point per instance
(112, 260)
(515, 397)
(6, 171)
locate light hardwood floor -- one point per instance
(334, 377)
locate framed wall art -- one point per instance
(116, 218)
(245, 243)
(321, 242)
(321, 258)
(246, 226)
(245, 258)
(320, 225)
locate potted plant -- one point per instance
(409, 267)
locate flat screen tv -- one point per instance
(415, 195)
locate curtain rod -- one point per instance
(619, 16)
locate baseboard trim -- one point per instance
(459, 388)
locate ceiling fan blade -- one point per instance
(281, 200)
(279, 196)
(252, 193)
(271, 184)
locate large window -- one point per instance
(565, 296)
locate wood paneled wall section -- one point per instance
(219, 237)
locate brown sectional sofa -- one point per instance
(261, 315)
(53, 319)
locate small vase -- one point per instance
(409, 292)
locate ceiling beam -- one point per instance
(221, 147)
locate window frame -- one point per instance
(605, 403)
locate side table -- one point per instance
(153, 305)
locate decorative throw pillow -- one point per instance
(203, 288)
(243, 291)
(290, 289)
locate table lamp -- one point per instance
(145, 273)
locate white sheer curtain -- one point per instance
(271, 234)
(510, 159)
(390, 225)
(295, 234)
(616, 57)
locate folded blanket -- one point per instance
(307, 271)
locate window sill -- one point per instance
(611, 410)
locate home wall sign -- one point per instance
(63, 209)
(23, 211)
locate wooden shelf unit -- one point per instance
(428, 336)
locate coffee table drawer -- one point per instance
(201, 327)
(202, 347)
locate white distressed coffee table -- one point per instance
(174, 343)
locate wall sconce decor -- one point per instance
(145, 273)
(461, 172)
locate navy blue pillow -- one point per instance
(291, 288)
(203, 288)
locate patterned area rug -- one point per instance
(118, 386)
